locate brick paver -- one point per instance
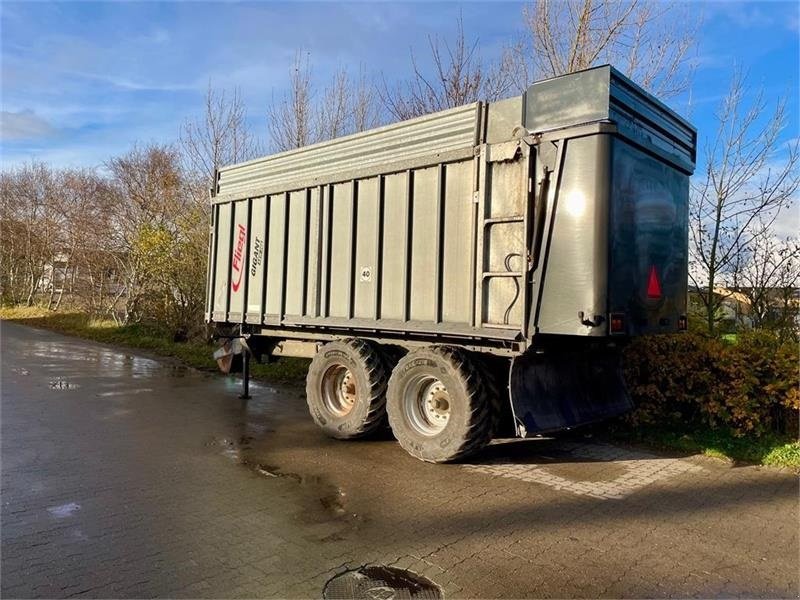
(124, 476)
(621, 472)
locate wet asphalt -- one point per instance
(128, 476)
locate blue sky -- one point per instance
(83, 81)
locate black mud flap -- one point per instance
(561, 390)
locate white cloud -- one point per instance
(157, 36)
(133, 84)
(788, 222)
(23, 125)
(746, 15)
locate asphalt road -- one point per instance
(124, 476)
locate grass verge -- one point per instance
(196, 354)
(771, 450)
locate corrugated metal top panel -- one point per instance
(429, 135)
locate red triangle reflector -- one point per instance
(653, 284)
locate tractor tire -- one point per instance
(346, 388)
(438, 404)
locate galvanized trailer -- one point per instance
(433, 267)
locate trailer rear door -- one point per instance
(648, 243)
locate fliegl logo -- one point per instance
(238, 258)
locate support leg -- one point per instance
(245, 376)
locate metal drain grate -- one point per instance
(380, 583)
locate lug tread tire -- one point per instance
(371, 361)
(480, 421)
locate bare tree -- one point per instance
(332, 113)
(55, 230)
(750, 176)
(365, 113)
(12, 233)
(767, 273)
(220, 136)
(649, 41)
(86, 209)
(458, 76)
(302, 116)
(32, 230)
(347, 106)
(290, 118)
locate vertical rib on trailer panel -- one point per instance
(325, 265)
(276, 245)
(284, 258)
(424, 240)
(305, 260)
(255, 287)
(266, 261)
(365, 258)
(339, 259)
(238, 272)
(212, 262)
(457, 249)
(481, 199)
(407, 245)
(377, 273)
(351, 292)
(393, 228)
(222, 267)
(246, 265)
(295, 252)
(231, 219)
(314, 252)
(441, 187)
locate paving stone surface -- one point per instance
(623, 472)
(124, 476)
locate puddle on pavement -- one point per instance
(256, 428)
(380, 583)
(233, 384)
(228, 448)
(65, 510)
(231, 448)
(331, 498)
(124, 392)
(324, 495)
(111, 363)
(63, 384)
(117, 413)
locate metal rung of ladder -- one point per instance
(487, 274)
(508, 219)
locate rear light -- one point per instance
(616, 323)
(682, 323)
(653, 284)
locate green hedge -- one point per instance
(749, 386)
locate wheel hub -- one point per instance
(348, 389)
(427, 405)
(339, 390)
(437, 403)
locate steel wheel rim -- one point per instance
(427, 405)
(339, 390)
